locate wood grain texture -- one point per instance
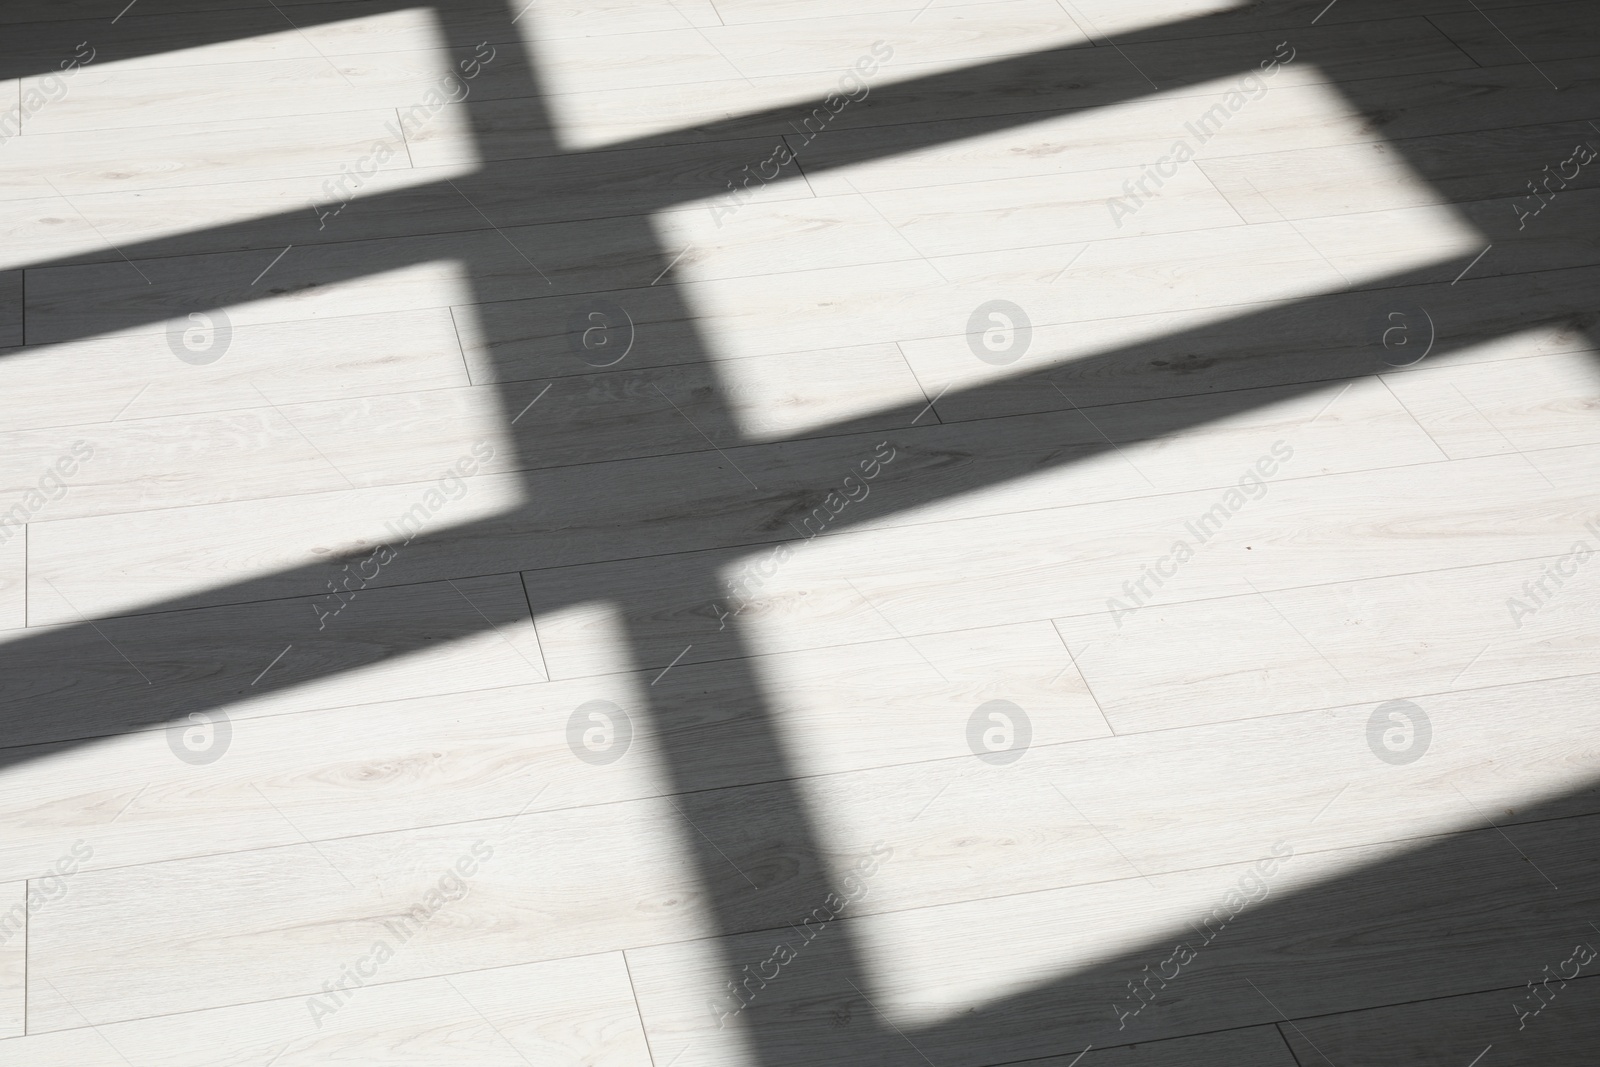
(574, 1012)
(11, 331)
(383, 767)
(1247, 1047)
(13, 958)
(163, 35)
(185, 150)
(1179, 19)
(1397, 107)
(84, 9)
(942, 35)
(1011, 568)
(395, 764)
(301, 209)
(139, 375)
(675, 113)
(14, 567)
(1112, 360)
(1468, 1025)
(1531, 33)
(263, 90)
(1520, 405)
(591, 900)
(791, 476)
(142, 464)
(1345, 179)
(1497, 624)
(315, 909)
(382, 643)
(941, 966)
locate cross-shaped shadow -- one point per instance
(755, 493)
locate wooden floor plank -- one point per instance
(345, 889)
(121, 477)
(445, 759)
(899, 94)
(1166, 666)
(571, 1012)
(511, 753)
(1347, 179)
(567, 249)
(506, 918)
(1357, 244)
(436, 633)
(949, 974)
(1520, 405)
(300, 209)
(14, 958)
(1287, 118)
(1332, 52)
(11, 322)
(831, 235)
(1184, 19)
(607, 17)
(1016, 211)
(274, 90)
(259, 451)
(254, 30)
(873, 583)
(85, 9)
(942, 35)
(1476, 1024)
(14, 564)
(140, 374)
(170, 155)
(1529, 33)
(1249, 1047)
(266, 88)
(1342, 335)
(309, 528)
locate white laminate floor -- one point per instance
(782, 533)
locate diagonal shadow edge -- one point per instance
(433, 557)
(250, 233)
(463, 31)
(1281, 958)
(771, 123)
